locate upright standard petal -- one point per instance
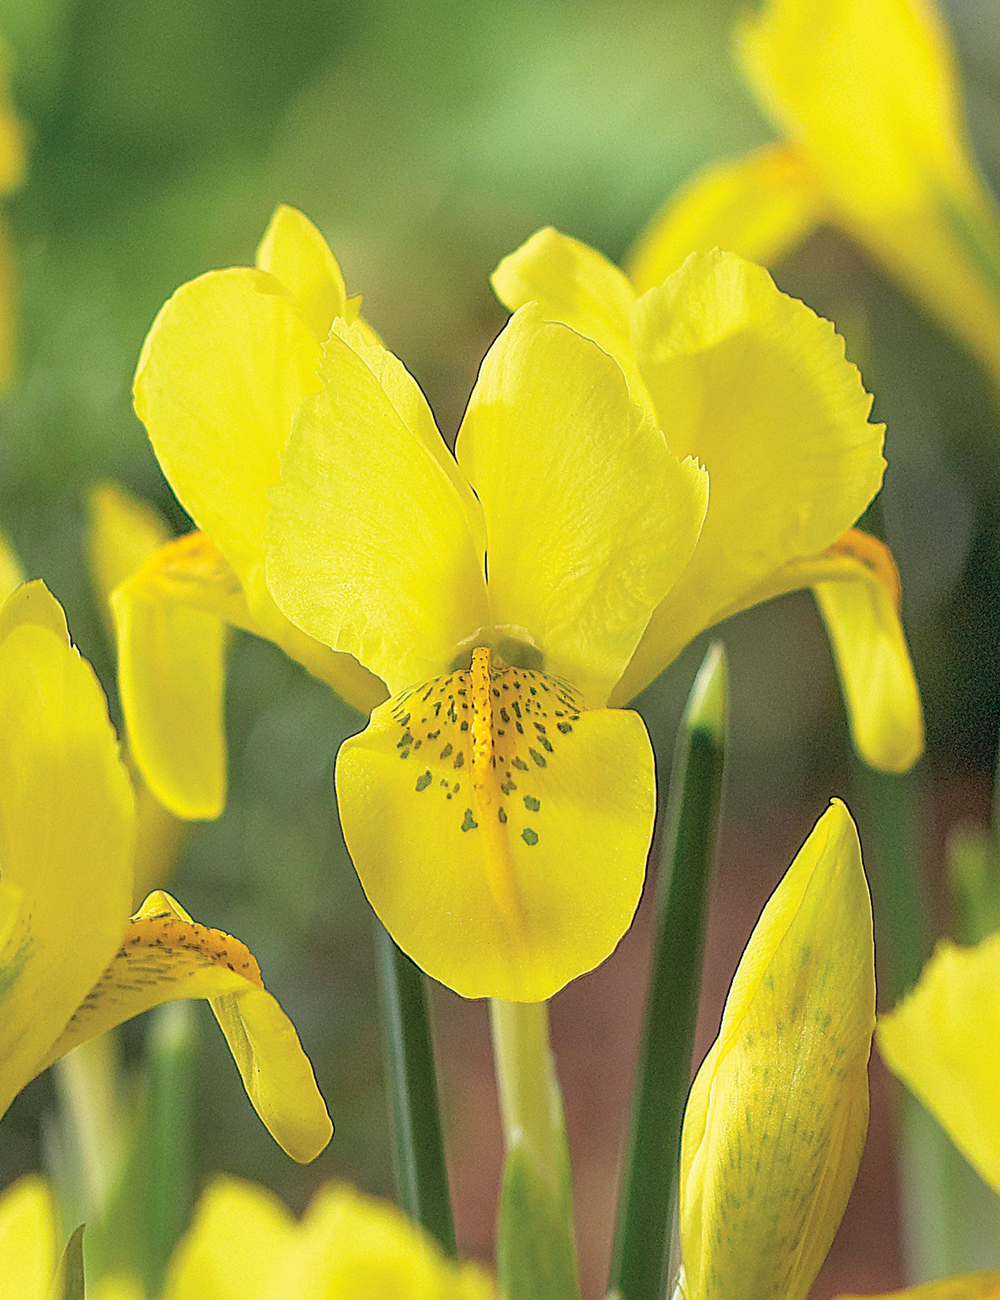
(66, 839)
(165, 956)
(223, 371)
(573, 283)
(760, 206)
(11, 573)
(756, 386)
(867, 91)
(370, 546)
(590, 518)
(294, 252)
(499, 831)
(777, 1115)
(936, 1042)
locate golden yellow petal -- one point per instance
(499, 832)
(295, 253)
(756, 386)
(166, 956)
(354, 1247)
(777, 1114)
(223, 371)
(28, 1247)
(982, 1285)
(857, 588)
(934, 1041)
(370, 548)
(590, 518)
(123, 533)
(67, 814)
(234, 1245)
(576, 285)
(761, 206)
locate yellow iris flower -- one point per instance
(777, 1115)
(244, 1243)
(940, 1041)
(866, 95)
(72, 962)
(498, 813)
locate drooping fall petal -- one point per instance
(370, 546)
(55, 737)
(761, 206)
(857, 588)
(590, 518)
(938, 1042)
(499, 832)
(165, 956)
(777, 1115)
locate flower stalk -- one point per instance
(648, 1199)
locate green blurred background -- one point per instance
(427, 140)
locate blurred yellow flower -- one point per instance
(866, 95)
(940, 1041)
(72, 963)
(244, 1243)
(777, 1114)
(755, 386)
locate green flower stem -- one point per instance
(87, 1085)
(536, 1247)
(647, 1203)
(891, 805)
(169, 1166)
(421, 1171)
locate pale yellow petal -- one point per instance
(28, 1247)
(33, 603)
(761, 206)
(869, 94)
(590, 518)
(370, 549)
(777, 1115)
(982, 1285)
(353, 1247)
(756, 386)
(171, 674)
(223, 371)
(66, 839)
(937, 1040)
(499, 832)
(123, 533)
(295, 253)
(166, 956)
(234, 1245)
(576, 285)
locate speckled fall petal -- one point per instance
(165, 956)
(499, 830)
